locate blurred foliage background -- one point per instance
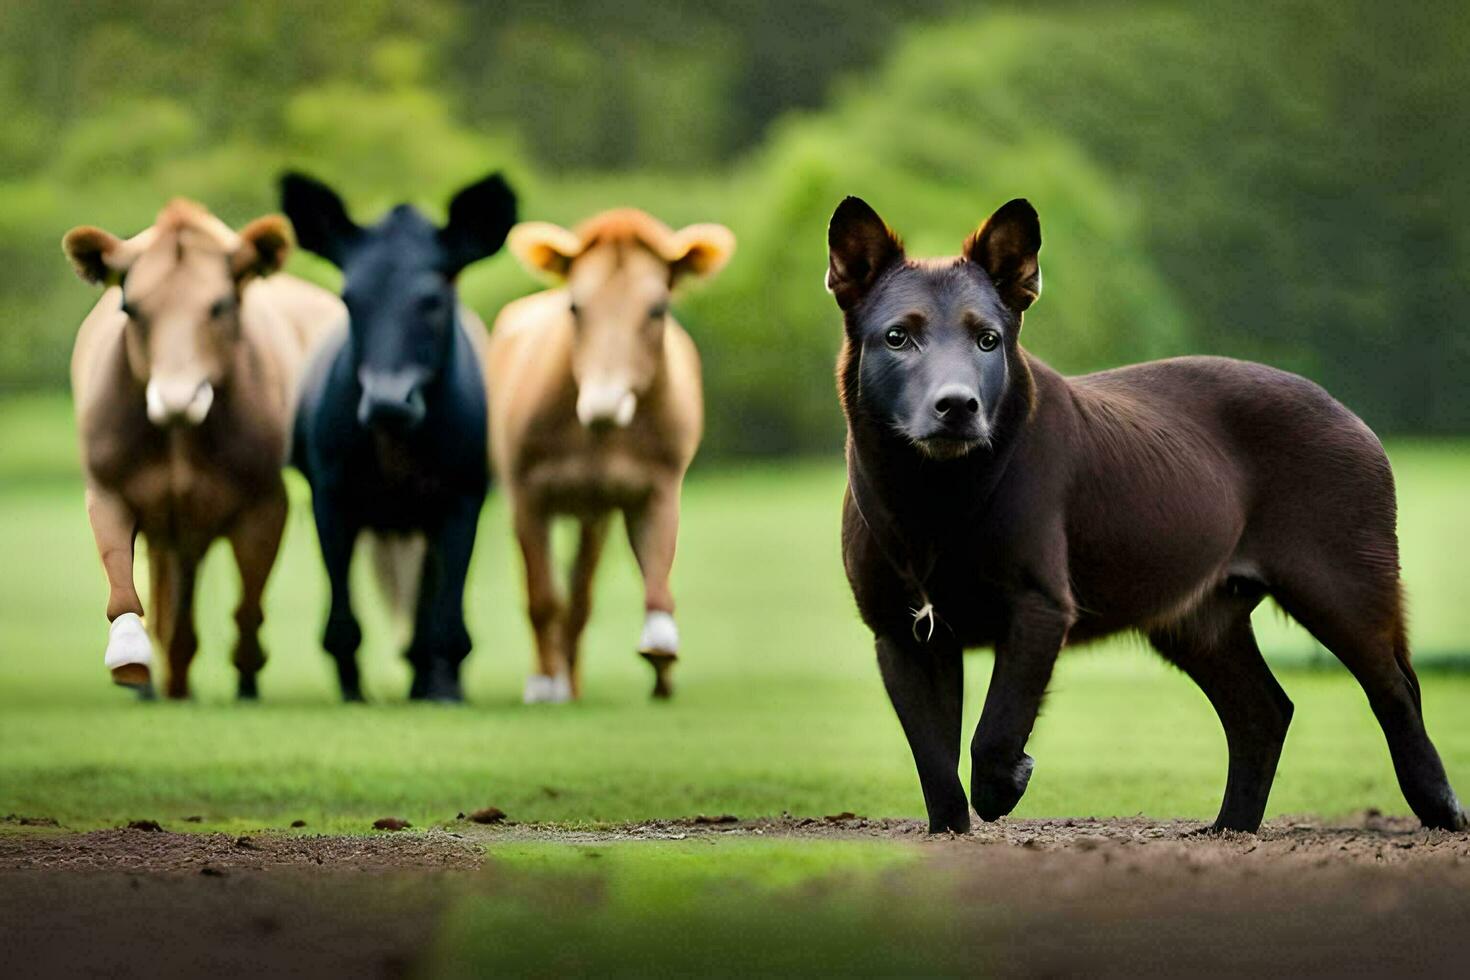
(1276, 181)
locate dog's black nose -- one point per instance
(954, 402)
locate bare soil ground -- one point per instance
(1367, 896)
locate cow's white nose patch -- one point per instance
(170, 400)
(541, 689)
(128, 643)
(606, 403)
(660, 635)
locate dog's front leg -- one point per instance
(925, 682)
(1024, 658)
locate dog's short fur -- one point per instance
(993, 502)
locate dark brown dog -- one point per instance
(993, 502)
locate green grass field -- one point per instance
(779, 706)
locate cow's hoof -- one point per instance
(995, 793)
(438, 683)
(663, 665)
(544, 689)
(247, 689)
(129, 653)
(956, 822)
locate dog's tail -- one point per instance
(398, 560)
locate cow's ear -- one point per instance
(319, 217)
(545, 249)
(699, 251)
(96, 255)
(479, 218)
(1005, 246)
(264, 245)
(860, 248)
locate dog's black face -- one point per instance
(933, 340)
(398, 284)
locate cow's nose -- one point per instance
(956, 402)
(393, 401)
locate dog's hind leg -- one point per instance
(1357, 615)
(925, 683)
(1216, 647)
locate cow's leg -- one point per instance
(1000, 767)
(925, 683)
(256, 540)
(337, 537)
(440, 639)
(653, 531)
(183, 642)
(584, 568)
(129, 654)
(1217, 648)
(548, 681)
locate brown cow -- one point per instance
(183, 377)
(595, 406)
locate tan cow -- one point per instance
(596, 406)
(183, 378)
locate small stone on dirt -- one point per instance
(491, 814)
(245, 842)
(298, 824)
(151, 826)
(391, 823)
(719, 818)
(840, 817)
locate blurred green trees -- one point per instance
(1281, 182)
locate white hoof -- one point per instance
(660, 635)
(129, 650)
(541, 689)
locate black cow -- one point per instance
(391, 429)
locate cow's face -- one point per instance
(618, 271)
(398, 282)
(180, 286)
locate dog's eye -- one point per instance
(988, 340)
(896, 338)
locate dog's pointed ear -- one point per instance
(860, 248)
(1005, 246)
(318, 217)
(480, 216)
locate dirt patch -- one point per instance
(162, 852)
(1022, 898)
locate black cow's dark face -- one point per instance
(934, 341)
(399, 285)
